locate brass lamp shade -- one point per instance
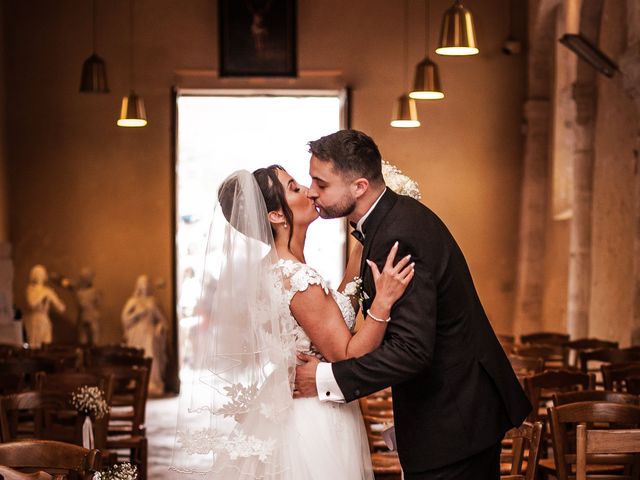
(132, 112)
(405, 114)
(94, 76)
(457, 35)
(426, 84)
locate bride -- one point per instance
(238, 417)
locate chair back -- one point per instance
(552, 355)
(526, 437)
(574, 347)
(603, 441)
(129, 399)
(541, 387)
(57, 458)
(564, 418)
(8, 473)
(22, 372)
(615, 375)
(595, 396)
(525, 366)
(47, 416)
(608, 355)
(545, 338)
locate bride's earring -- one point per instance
(285, 225)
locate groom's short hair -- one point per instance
(352, 152)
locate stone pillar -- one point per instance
(630, 67)
(579, 287)
(533, 212)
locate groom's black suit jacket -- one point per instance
(454, 391)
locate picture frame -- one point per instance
(257, 38)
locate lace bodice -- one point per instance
(297, 277)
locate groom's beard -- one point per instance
(345, 207)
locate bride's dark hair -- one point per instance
(274, 194)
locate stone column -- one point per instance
(533, 211)
(630, 68)
(579, 287)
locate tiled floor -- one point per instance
(161, 424)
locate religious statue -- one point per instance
(89, 299)
(40, 297)
(145, 326)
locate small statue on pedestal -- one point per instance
(40, 297)
(145, 326)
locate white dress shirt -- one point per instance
(328, 389)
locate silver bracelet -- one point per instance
(377, 319)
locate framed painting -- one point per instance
(257, 38)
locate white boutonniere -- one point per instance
(399, 182)
(354, 290)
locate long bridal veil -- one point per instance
(237, 386)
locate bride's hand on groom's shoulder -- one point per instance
(305, 384)
(392, 280)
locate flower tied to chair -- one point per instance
(119, 471)
(90, 402)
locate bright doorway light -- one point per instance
(219, 133)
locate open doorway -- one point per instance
(219, 132)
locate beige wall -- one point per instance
(613, 228)
(84, 192)
(4, 195)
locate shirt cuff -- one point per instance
(328, 389)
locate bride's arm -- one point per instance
(319, 315)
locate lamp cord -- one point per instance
(426, 28)
(93, 33)
(406, 45)
(131, 76)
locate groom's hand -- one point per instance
(305, 385)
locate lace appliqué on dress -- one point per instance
(299, 277)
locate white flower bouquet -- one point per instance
(119, 471)
(90, 401)
(399, 182)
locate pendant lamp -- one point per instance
(94, 70)
(457, 34)
(405, 114)
(132, 111)
(426, 82)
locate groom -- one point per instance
(454, 391)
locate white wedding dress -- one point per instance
(327, 440)
(314, 440)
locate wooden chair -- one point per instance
(563, 420)
(541, 387)
(19, 374)
(595, 396)
(8, 351)
(552, 355)
(544, 338)
(608, 355)
(633, 385)
(615, 375)
(525, 366)
(617, 441)
(127, 425)
(57, 458)
(70, 382)
(526, 437)
(573, 348)
(110, 354)
(8, 473)
(50, 417)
